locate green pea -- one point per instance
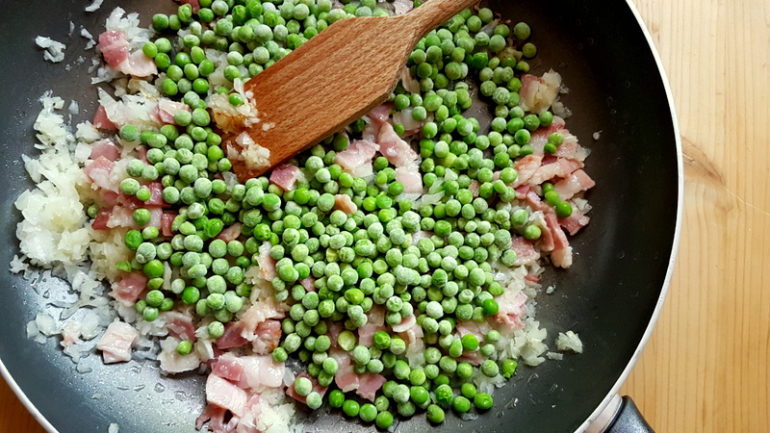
(532, 232)
(215, 329)
(435, 414)
(384, 420)
(150, 314)
(303, 386)
(350, 408)
(336, 398)
(482, 401)
(184, 347)
(461, 404)
(368, 412)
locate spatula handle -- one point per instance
(433, 13)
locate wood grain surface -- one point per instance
(706, 368)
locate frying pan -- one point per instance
(611, 296)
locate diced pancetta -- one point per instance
(540, 136)
(99, 170)
(369, 384)
(257, 313)
(255, 407)
(410, 177)
(179, 325)
(166, 110)
(166, 221)
(525, 252)
(112, 198)
(559, 238)
(512, 308)
(100, 222)
(138, 65)
(380, 114)
(394, 148)
(375, 322)
(334, 330)
(533, 200)
(574, 222)
(473, 358)
(285, 176)
(366, 333)
(357, 158)
(224, 394)
(114, 47)
(554, 168)
(120, 217)
(479, 329)
(101, 121)
(156, 195)
(172, 362)
(546, 241)
(232, 337)
(345, 378)
(129, 288)
(105, 149)
(539, 93)
(562, 258)
(344, 203)
(268, 335)
(532, 278)
(376, 316)
(474, 187)
(308, 284)
(215, 416)
(576, 182)
(371, 131)
(406, 119)
(266, 263)
(230, 233)
(142, 154)
(229, 367)
(406, 324)
(526, 168)
(409, 83)
(413, 336)
(116, 342)
(570, 148)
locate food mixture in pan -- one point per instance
(387, 272)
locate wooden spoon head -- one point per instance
(358, 61)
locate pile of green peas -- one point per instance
(432, 263)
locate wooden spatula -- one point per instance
(334, 79)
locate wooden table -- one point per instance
(706, 368)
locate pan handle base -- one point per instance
(629, 419)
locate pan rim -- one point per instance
(612, 393)
(606, 403)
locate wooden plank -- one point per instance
(14, 417)
(706, 368)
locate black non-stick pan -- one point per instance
(611, 296)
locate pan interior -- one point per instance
(607, 297)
